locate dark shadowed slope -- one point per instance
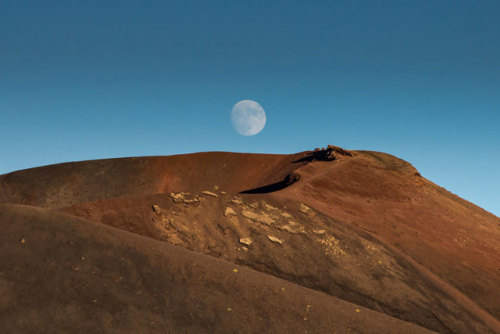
(61, 274)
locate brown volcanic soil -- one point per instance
(62, 274)
(365, 229)
(71, 183)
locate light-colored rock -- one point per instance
(275, 240)
(258, 217)
(293, 227)
(177, 198)
(268, 207)
(289, 229)
(246, 241)
(209, 193)
(319, 232)
(245, 249)
(265, 219)
(222, 192)
(306, 210)
(156, 208)
(229, 211)
(236, 201)
(249, 214)
(286, 214)
(185, 198)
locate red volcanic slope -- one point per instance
(70, 183)
(364, 227)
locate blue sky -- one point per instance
(96, 79)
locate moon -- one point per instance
(248, 117)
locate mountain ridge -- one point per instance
(362, 226)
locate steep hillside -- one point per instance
(363, 227)
(61, 274)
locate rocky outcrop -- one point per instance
(185, 198)
(330, 153)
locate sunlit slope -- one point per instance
(361, 226)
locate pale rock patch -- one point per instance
(181, 198)
(288, 228)
(306, 210)
(229, 211)
(177, 198)
(209, 193)
(332, 246)
(275, 240)
(236, 201)
(268, 207)
(293, 227)
(246, 241)
(263, 218)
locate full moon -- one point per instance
(248, 117)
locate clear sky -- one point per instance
(97, 79)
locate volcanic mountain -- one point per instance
(324, 241)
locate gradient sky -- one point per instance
(97, 79)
